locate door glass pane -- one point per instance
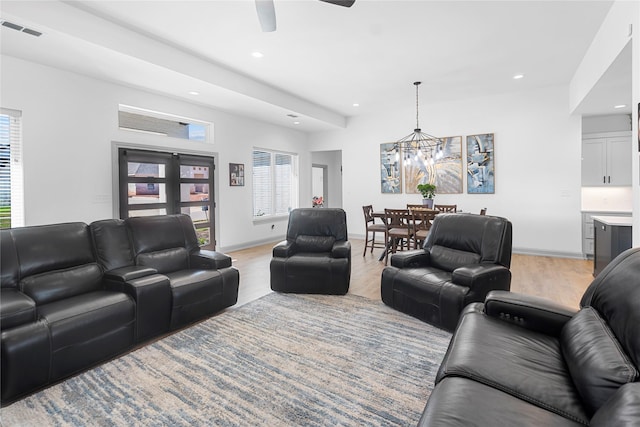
(194, 192)
(203, 235)
(198, 214)
(153, 170)
(147, 212)
(187, 171)
(141, 193)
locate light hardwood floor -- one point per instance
(561, 279)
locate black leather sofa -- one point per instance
(463, 258)
(74, 295)
(316, 257)
(518, 360)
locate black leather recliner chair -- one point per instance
(316, 257)
(464, 257)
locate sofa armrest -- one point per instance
(209, 260)
(284, 249)
(411, 259)
(16, 308)
(531, 312)
(341, 249)
(125, 274)
(152, 295)
(481, 279)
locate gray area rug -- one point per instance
(282, 360)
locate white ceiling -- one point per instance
(323, 58)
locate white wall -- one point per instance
(537, 146)
(607, 123)
(70, 125)
(620, 27)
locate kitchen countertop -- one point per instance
(614, 220)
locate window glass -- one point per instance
(11, 178)
(275, 183)
(147, 212)
(163, 124)
(146, 170)
(144, 193)
(198, 172)
(194, 192)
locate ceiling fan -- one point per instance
(267, 13)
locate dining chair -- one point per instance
(421, 222)
(372, 227)
(411, 206)
(446, 208)
(399, 230)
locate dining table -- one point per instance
(382, 215)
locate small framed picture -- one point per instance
(236, 174)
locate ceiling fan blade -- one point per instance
(345, 3)
(266, 15)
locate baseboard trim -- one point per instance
(250, 244)
(515, 250)
(542, 252)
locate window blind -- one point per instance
(275, 183)
(11, 174)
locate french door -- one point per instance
(158, 183)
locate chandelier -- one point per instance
(419, 146)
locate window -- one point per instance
(275, 183)
(139, 120)
(11, 181)
(157, 183)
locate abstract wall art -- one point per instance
(480, 164)
(390, 170)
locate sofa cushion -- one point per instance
(111, 242)
(8, 260)
(52, 247)
(449, 259)
(305, 243)
(88, 328)
(595, 359)
(520, 362)
(165, 261)
(460, 402)
(16, 309)
(176, 231)
(622, 409)
(194, 294)
(60, 284)
(616, 295)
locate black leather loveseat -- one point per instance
(74, 294)
(524, 361)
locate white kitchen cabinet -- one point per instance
(606, 161)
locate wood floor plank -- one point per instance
(561, 279)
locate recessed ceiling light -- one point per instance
(296, 123)
(356, 104)
(518, 76)
(193, 92)
(257, 54)
(620, 106)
